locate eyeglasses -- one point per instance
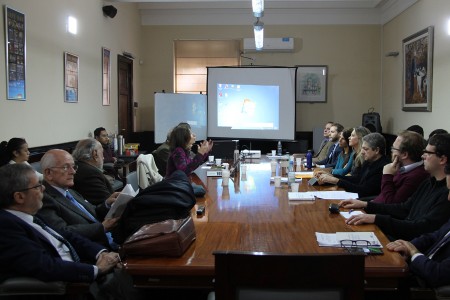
(66, 168)
(38, 186)
(424, 151)
(394, 149)
(353, 246)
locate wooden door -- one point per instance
(125, 86)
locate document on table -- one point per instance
(334, 239)
(120, 204)
(312, 195)
(348, 214)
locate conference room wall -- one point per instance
(419, 16)
(352, 53)
(44, 118)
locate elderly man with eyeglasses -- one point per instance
(65, 209)
(425, 211)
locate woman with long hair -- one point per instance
(181, 141)
(15, 151)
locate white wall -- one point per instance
(44, 118)
(352, 53)
(421, 15)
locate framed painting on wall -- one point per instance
(71, 72)
(312, 84)
(106, 72)
(418, 71)
(15, 54)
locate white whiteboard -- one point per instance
(172, 109)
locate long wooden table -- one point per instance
(252, 215)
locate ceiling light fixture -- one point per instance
(258, 29)
(258, 8)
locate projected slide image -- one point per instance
(243, 107)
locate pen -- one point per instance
(350, 211)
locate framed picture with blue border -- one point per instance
(71, 72)
(15, 54)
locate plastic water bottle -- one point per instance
(279, 149)
(309, 159)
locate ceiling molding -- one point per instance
(293, 12)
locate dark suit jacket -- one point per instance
(91, 183)
(61, 214)
(435, 271)
(25, 252)
(161, 155)
(331, 159)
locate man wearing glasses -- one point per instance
(31, 248)
(65, 209)
(405, 173)
(425, 211)
(429, 254)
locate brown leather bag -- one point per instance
(166, 238)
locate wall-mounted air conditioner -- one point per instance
(284, 44)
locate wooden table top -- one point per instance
(252, 215)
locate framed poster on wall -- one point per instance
(312, 84)
(106, 71)
(15, 54)
(71, 70)
(418, 71)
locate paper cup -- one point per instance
(277, 181)
(274, 152)
(295, 186)
(218, 161)
(211, 158)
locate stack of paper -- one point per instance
(312, 195)
(334, 239)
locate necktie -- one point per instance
(72, 250)
(111, 242)
(332, 151)
(438, 246)
(81, 207)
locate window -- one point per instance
(192, 58)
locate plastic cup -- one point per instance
(218, 161)
(277, 181)
(244, 169)
(273, 166)
(274, 152)
(295, 186)
(225, 181)
(211, 158)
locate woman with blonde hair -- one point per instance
(355, 141)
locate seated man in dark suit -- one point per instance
(333, 153)
(429, 254)
(29, 248)
(66, 209)
(89, 179)
(161, 155)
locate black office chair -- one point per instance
(256, 275)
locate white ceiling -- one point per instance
(289, 12)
